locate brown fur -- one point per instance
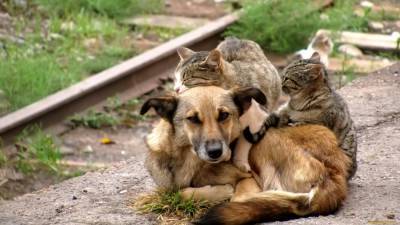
(234, 63)
(301, 169)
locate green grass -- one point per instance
(3, 158)
(382, 15)
(162, 33)
(171, 204)
(37, 149)
(115, 113)
(94, 120)
(40, 67)
(286, 26)
(69, 41)
(112, 9)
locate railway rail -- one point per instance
(131, 78)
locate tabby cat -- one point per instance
(234, 63)
(312, 100)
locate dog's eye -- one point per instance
(194, 119)
(222, 116)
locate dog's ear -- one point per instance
(184, 53)
(242, 98)
(164, 106)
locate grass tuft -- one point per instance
(36, 148)
(171, 207)
(286, 26)
(95, 120)
(112, 9)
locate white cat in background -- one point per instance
(322, 44)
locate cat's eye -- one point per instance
(194, 119)
(223, 116)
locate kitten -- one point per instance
(234, 63)
(322, 44)
(313, 101)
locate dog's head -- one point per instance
(206, 117)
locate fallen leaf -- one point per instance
(107, 141)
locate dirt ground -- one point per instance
(103, 197)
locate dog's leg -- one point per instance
(245, 186)
(215, 193)
(269, 179)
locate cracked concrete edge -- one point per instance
(377, 106)
(103, 197)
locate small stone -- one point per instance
(88, 149)
(60, 209)
(391, 216)
(23, 4)
(376, 26)
(67, 26)
(367, 4)
(64, 150)
(74, 197)
(350, 50)
(123, 191)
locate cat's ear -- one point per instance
(164, 106)
(184, 53)
(214, 58)
(315, 56)
(242, 98)
(316, 71)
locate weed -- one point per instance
(42, 66)
(171, 204)
(112, 9)
(286, 26)
(383, 15)
(162, 33)
(3, 158)
(115, 113)
(94, 120)
(36, 148)
(70, 174)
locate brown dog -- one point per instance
(301, 170)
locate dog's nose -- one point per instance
(214, 149)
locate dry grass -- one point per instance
(170, 207)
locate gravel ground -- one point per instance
(103, 197)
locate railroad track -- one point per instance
(131, 78)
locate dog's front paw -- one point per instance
(242, 165)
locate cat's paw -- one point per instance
(242, 165)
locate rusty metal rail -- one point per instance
(129, 79)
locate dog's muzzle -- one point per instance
(214, 151)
